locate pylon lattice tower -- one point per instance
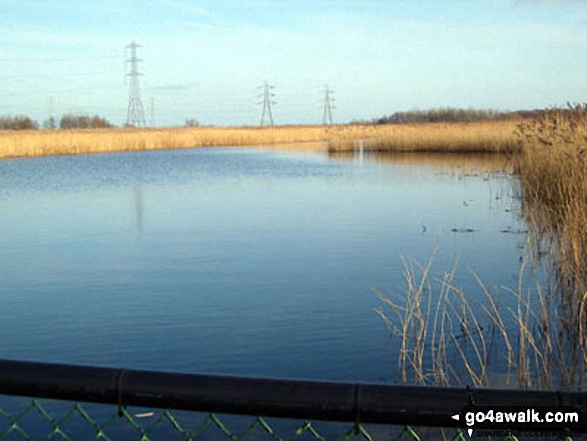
(267, 101)
(135, 115)
(327, 115)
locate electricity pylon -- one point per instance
(327, 115)
(267, 101)
(135, 115)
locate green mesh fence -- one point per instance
(50, 420)
(155, 425)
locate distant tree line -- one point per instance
(450, 114)
(192, 122)
(83, 122)
(67, 122)
(18, 122)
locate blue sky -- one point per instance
(206, 59)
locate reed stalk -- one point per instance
(445, 340)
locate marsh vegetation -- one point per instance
(541, 322)
(459, 137)
(527, 336)
(487, 136)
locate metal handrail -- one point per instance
(311, 400)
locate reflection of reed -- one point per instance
(474, 162)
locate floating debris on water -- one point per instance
(510, 230)
(144, 415)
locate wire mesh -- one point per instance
(25, 419)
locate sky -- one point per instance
(207, 59)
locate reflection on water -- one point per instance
(246, 261)
(139, 204)
(476, 163)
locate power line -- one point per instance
(267, 101)
(135, 115)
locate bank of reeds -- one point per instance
(66, 142)
(474, 137)
(493, 136)
(553, 174)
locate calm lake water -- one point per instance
(236, 261)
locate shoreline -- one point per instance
(486, 136)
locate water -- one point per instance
(236, 261)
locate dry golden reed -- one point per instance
(446, 339)
(553, 174)
(474, 137)
(66, 142)
(544, 338)
(495, 136)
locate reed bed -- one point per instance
(494, 136)
(497, 136)
(67, 142)
(553, 174)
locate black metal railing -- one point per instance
(356, 403)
